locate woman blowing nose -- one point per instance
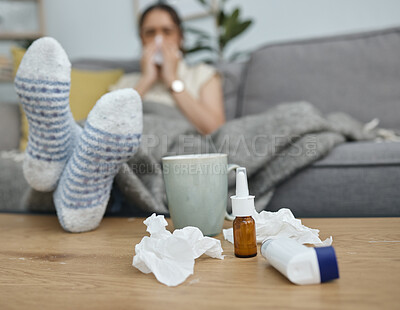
(165, 77)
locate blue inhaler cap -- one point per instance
(328, 267)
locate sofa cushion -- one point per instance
(232, 78)
(358, 74)
(355, 179)
(365, 153)
(10, 124)
(12, 183)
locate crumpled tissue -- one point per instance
(170, 257)
(282, 224)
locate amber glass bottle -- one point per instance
(244, 236)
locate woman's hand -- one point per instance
(150, 72)
(169, 67)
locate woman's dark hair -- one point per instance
(166, 8)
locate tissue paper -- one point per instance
(282, 224)
(170, 257)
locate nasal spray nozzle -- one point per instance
(242, 202)
(158, 56)
(242, 189)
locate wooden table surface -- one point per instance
(42, 267)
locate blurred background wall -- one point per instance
(107, 29)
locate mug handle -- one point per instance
(228, 216)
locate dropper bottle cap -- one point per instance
(242, 202)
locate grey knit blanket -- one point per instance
(272, 146)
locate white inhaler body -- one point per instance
(301, 264)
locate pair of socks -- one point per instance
(79, 164)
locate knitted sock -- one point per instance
(42, 83)
(111, 136)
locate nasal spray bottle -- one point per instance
(244, 228)
(301, 264)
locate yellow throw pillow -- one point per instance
(17, 55)
(86, 88)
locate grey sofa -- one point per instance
(358, 74)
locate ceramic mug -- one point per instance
(197, 190)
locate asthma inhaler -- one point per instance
(244, 226)
(301, 264)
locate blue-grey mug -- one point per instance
(197, 190)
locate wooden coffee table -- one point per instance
(42, 267)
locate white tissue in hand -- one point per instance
(171, 256)
(158, 56)
(282, 224)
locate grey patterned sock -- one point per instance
(43, 84)
(111, 136)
